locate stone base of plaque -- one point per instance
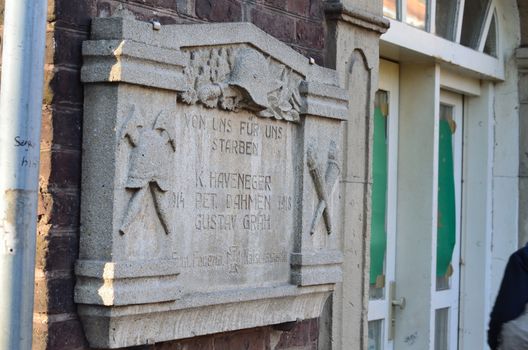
(116, 327)
(126, 283)
(314, 268)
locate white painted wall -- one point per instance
(505, 192)
(476, 225)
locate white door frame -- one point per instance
(389, 81)
(475, 210)
(450, 298)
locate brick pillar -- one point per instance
(59, 199)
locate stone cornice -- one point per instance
(522, 58)
(357, 17)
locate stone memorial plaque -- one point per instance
(235, 198)
(210, 197)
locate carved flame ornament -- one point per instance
(148, 169)
(235, 78)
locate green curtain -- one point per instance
(378, 238)
(446, 232)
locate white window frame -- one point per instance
(402, 40)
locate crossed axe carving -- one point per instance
(323, 186)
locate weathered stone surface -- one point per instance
(353, 29)
(211, 169)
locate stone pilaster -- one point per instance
(353, 34)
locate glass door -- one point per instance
(414, 273)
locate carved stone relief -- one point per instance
(196, 132)
(234, 78)
(148, 169)
(323, 186)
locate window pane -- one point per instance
(390, 9)
(417, 13)
(490, 46)
(446, 226)
(441, 329)
(378, 237)
(473, 22)
(444, 282)
(446, 18)
(375, 335)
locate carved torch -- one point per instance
(323, 187)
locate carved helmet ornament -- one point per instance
(237, 78)
(251, 74)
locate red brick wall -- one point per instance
(303, 336)
(299, 23)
